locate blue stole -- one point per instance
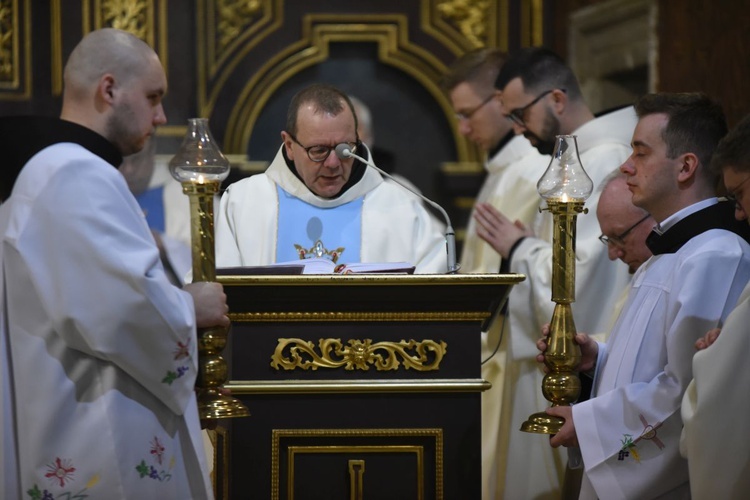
(305, 231)
(152, 204)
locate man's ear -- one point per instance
(107, 88)
(689, 164)
(287, 144)
(560, 100)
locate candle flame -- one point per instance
(564, 198)
(201, 179)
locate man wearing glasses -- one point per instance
(625, 227)
(715, 404)
(311, 203)
(541, 99)
(629, 431)
(513, 168)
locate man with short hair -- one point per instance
(715, 405)
(629, 431)
(513, 168)
(311, 203)
(541, 99)
(99, 349)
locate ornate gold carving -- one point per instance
(291, 354)
(469, 16)
(127, 15)
(8, 40)
(233, 17)
(255, 317)
(462, 25)
(15, 49)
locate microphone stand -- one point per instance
(343, 152)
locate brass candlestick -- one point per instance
(200, 167)
(565, 186)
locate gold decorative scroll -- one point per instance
(8, 41)
(422, 356)
(468, 17)
(127, 15)
(233, 17)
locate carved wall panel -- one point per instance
(15, 49)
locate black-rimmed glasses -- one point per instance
(320, 153)
(468, 114)
(517, 115)
(733, 197)
(620, 238)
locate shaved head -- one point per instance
(114, 85)
(105, 51)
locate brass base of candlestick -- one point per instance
(212, 373)
(213, 405)
(541, 423)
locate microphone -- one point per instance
(343, 151)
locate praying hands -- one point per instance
(498, 230)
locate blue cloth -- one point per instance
(152, 204)
(306, 231)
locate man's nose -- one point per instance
(614, 252)
(332, 161)
(627, 167)
(464, 127)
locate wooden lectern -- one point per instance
(359, 386)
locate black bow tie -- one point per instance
(718, 216)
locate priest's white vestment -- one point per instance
(510, 186)
(395, 227)
(99, 396)
(715, 411)
(629, 432)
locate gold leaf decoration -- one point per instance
(126, 15)
(6, 40)
(234, 16)
(469, 17)
(291, 354)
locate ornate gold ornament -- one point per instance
(291, 354)
(470, 17)
(127, 15)
(233, 17)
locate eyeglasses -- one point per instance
(320, 153)
(733, 197)
(468, 114)
(517, 115)
(620, 238)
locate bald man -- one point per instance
(98, 349)
(624, 226)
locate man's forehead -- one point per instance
(514, 90)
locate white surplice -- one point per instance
(534, 469)
(629, 432)
(510, 186)
(715, 411)
(99, 395)
(395, 225)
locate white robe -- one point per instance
(644, 368)
(534, 469)
(715, 411)
(510, 187)
(103, 348)
(395, 225)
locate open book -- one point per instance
(320, 265)
(324, 266)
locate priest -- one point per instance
(311, 203)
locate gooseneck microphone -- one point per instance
(343, 151)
